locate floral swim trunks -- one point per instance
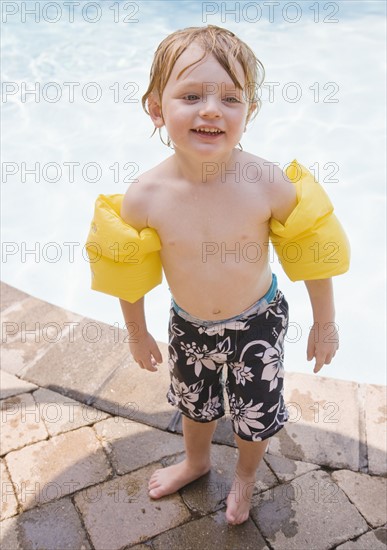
(244, 354)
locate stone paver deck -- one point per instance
(83, 428)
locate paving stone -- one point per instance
(52, 526)
(8, 534)
(52, 469)
(122, 507)
(223, 432)
(211, 533)
(208, 493)
(12, 385)
(8, 499)
(368, 494)
(376, 428)
(373, 540)
(21, 423)
(62, 414)
(31, 328)
(309, 512)
(323, 427)
(80, 362)
(314, 510)
(286, 469)
(140, 547)
(132, 445)
(10, 295)
(138, 394)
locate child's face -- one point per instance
(204, 97)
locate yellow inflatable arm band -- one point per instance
(311, 244)
(124, 262)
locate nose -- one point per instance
(210, 108)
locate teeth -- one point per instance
(209, 130)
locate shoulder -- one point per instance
(134, 205)
(265, 171)
(281, 192)
(138, 199)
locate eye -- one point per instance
(231, 99)
(191, 97)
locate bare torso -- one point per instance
(214, 237)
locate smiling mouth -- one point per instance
(208, 131)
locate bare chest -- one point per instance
(222, 214)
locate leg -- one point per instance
(255, 390)
(197, 442)
(239, 498)
(188, 381)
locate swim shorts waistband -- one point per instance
(256, 308)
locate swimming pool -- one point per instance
(73, 127)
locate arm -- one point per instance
(323, 337)
(142, 345)
(323, 341)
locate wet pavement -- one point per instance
(83, 428)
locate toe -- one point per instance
(230, 518)
(154, 493)
(242, 518)
(245, 518)
(153, 479)
(153, 483)
(155, 474)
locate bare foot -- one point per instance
(169, 480)
(239, 499)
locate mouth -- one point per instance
(207, 131)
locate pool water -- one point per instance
(73, 127)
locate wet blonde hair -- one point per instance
(227, 49)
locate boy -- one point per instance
(202, 217)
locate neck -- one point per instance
(204, 171)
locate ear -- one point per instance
(252, 108)
(154, 108)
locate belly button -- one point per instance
(216, 311)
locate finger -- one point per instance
(149, 365)
(320, 362)
(317, 367)
(329, 358)
(153, 363)
(145, 365)
(310, 352)
(157, 354)
(151, 368)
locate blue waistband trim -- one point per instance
(257, 307)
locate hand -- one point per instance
(323, 342)
(145, 351)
